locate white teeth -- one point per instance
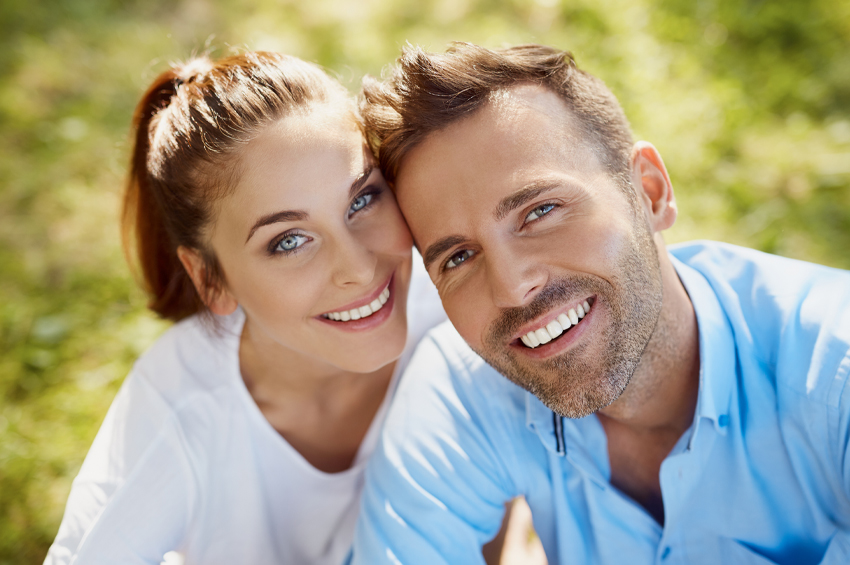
(556, 327)
(362, 311)
(542, 335)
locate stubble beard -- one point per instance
(586, 379)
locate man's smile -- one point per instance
(555, 324)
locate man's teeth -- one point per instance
(363, 311)
(556, 327)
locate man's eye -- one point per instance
(360, 202)
(459, 258)
(291, 242)
(539, 211)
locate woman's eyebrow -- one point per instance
(284, 216)
(360, 181)
(301, 215)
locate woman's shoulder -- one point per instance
(195, 355)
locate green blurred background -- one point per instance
(748, 101)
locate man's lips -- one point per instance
(553, 324)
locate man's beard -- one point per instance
(585, 379)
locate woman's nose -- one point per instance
(355, 263)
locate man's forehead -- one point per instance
(518, 100)
(521, 127)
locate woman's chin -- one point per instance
(370, 361)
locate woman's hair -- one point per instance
(189, 128)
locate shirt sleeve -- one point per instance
(838, 550)
(436, 486)
(131, 500)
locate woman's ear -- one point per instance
(654, 189)
(217, 299)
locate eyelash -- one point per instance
(373, 192)
(273, 246)
(549, 207)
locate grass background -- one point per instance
(748, 101)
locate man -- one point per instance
(688, 405)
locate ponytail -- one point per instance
(172, 294)
(187, 128)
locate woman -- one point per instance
(263, 227)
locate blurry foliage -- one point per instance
(748, 100)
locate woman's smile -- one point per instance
(363, 307)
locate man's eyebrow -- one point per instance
(439, 247)
(300, 215)
(523, 195)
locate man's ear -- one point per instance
(654, 189)
(217, 299)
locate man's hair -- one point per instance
(426, 92)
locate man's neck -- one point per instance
(643, 425)
(662, 392)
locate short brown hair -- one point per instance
(428, 91)
(188, 129)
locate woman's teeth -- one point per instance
(556, 327)
(363, 311)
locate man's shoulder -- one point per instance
(735, 264)
(793, 316)
(443, 355)
(446, 374)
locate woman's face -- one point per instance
(313, 246)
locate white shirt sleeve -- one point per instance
(133, 496)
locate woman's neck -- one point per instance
(321, 410)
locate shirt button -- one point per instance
(665, 553)
(723, 420)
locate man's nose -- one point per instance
(514, 277)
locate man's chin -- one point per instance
(567, 385)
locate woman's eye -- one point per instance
(459, 258)
(360, 202)
(539, 211)
(291, 242)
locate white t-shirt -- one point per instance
(185, 462)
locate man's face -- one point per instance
(519, 224)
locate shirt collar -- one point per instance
(717, 365)
(717, 354)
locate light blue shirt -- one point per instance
(762, 476)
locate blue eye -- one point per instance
(360, 202)
(291, 242)
(458, 258)
(538, 212)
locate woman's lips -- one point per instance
(365, 313)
